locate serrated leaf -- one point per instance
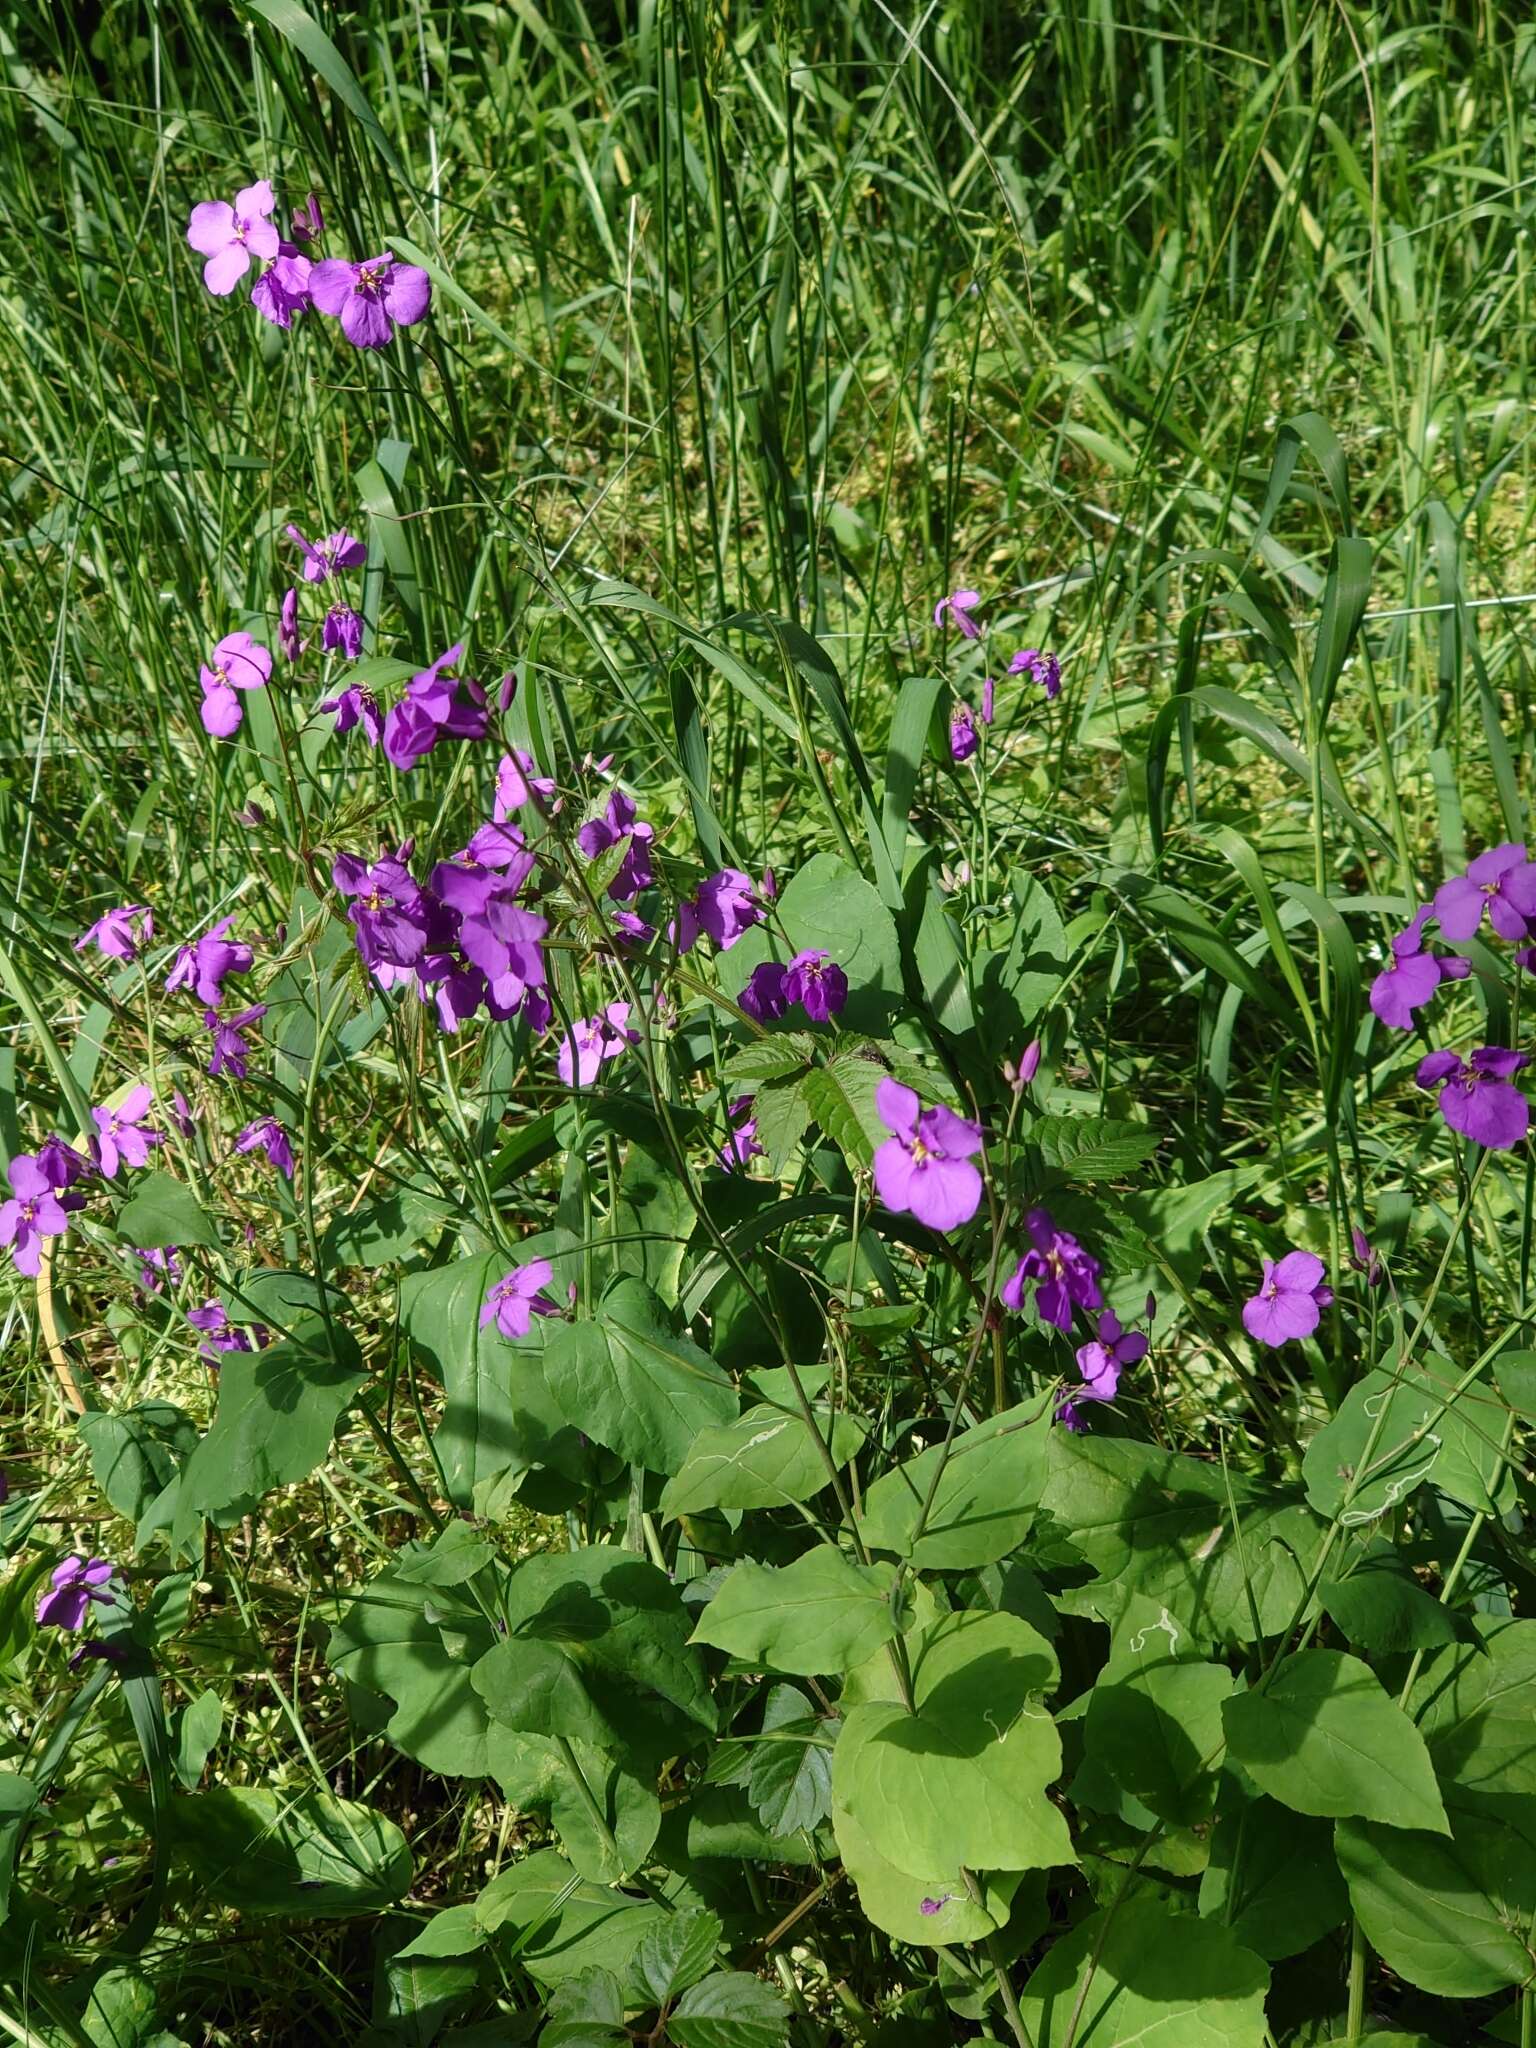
(841, 1097)
(1092, 1148)
(730, 2010)
(783, 1113)
(677, 1954)
(823, 1613)
(768, 1059)
(789, 1767)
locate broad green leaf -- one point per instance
(629, 1380)
(1418, 1426)
(1143, 1975)
(1090, 1148)
(570, 1925)
(1514, 1373)
(1160, 1527)
(841, 1097)
(771, 1058)
(767, 1458)
(677, 1954)
(1475, 1705)
(718, 1823)
(962, 1779)
(929, 1909)
(586, 2012)
(1323, 1737)
(277, 1413)
(136, 1452)
(789, 1766)
(161, 1211)
(455, 1931)
(823, 1613)
(782, 1110)
(654, 1212)
(596, 1648)
(1019, 979)
(1272, 1877)
(302, 1853)
(629, 1807)
(195, 1729)
(1449, 1914)
(1154, 1723)
(730, 2010)
(18, 1798)
(984, 1504)
(387, 1228)
(1382, 1608)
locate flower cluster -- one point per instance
(370, 299)
(964, 723)
(812, 979)
(201, 969)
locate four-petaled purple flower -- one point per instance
(1477, 1097)
(619, 821)
(1044, 668)
(371, 299)
(815, 981)
(1413, 976)
(120, 934)
(357, 706)
(267, 1135)
(964, 740)
(33, 1213)
(1290, 1300)
(519, 782)
(592, 1041)
(75, 1584)
(727, 905)
(61, 1166)
(517, 1298)
(237, 663)
(122, 1136)
(283, 287)
(323, 558)
(231, 1054)
(231, 236)
(202, 966)
(1101, 1361)
(220, 1334)
(341, 631)
(925, 1164)
(742, 1145)
(764, 996)
(1065, 1276)
(1502, 882)
(385, 909)
(959, 604)
(159, 1267)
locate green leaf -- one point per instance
(841, 1097)
(654, 1212)
(1272, 1877)
(389, 1643)
(586, 2011)
(789, 1766)
(303, 1853)
(677, 1954)
(822, 1613)
(729, 2010)
(597, 1648)
(277, 1412)
(628, 1804)
(1514, 1373)
(768, 1059)
(1143, 1975)
(567, 1925)
(1190, 931)
(629, 1380)
(1160, 1527)
(783, 1113)
(895, 1899)
(1324, 1738)
(195, 1729)
(1090, 1148)
(985, 1502)
(455, 1931)
(267, 1294)
(828, 906)
(1451, 1915)
(1420, 1424)
(962, 1779)
(1475, 1705)
(18, 1799)
(163, 1211)
(767, 1458)
(387, 1228)
(1154, 1723)
(136, 1453)
(1382, 1608)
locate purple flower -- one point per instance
(1066, 1277)
(1502, 882)
(988, 699)
(75, 1584)
(519, 782)
(1365, 1259)
(267, 1135)
(61, 1165)
(230, 236)
(959, 604)
(283, 287)
(342, 631)
(925, 1165)
(308, 221)
(120, 934)
(122, 1136)
(1044, 668)
(323, 558)
(202, 966)
(1290, 1300)
(371, 298)
(356, 706)
(237, 663)
(220, 1334)
(230, 1051)
(728, 905)
(815, 981)
(1476, 1096)
(289, 644)
(431, 708)
(503, 940)
(1019, 1077)
(516, 1299)
(386, 909)
(33, 1213)
(592, 1041)
(158, 1267)
(742, 1145)
(1104, 1357)
(764, 996)
(963, 736)
(1413, 976)
(618, 821)
(928, 1907)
